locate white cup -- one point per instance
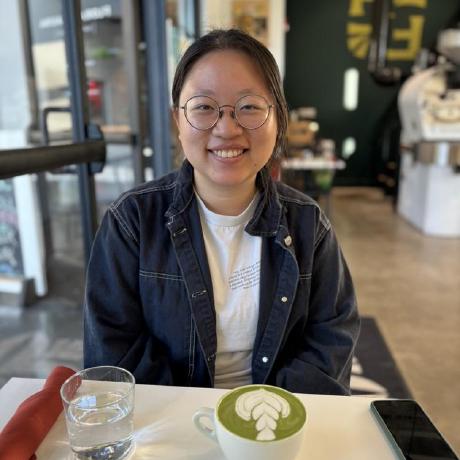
(264, 409)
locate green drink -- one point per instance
(261, 413)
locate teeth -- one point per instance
(227, 153)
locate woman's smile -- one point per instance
(227, 153)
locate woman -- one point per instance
(215, 275)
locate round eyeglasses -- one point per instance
(203, 112)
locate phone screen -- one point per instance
(412, 430)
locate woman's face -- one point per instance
(226, 76)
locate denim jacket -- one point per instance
(149, 297)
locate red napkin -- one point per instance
(33, 419)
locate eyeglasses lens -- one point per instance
(251, 111)
(201, 112)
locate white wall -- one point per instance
(14, 100)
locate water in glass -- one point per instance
(100, 426)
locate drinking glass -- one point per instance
(98, 404)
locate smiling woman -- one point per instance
(215, 275)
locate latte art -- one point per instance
(265, 408)
(261, 413)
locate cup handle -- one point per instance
(205, 412)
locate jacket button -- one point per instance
(284, 299)
(265, 359)
(288, 240)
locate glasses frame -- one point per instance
(220, 111)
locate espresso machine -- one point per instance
(429, 108)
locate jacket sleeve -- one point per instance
(115, 331)
(321, 356)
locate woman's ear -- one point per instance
(175, 115)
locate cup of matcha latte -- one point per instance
(256, 422)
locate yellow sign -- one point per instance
(403, 43)
(357, 7)
(414, 3)
(412, 37)
(358, 39)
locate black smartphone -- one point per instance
(411, 431)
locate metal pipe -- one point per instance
(377, 65)
(157, 81)
(131, 39)
(71, 13)
(197, 18)
(379, 38)
(17, 162)
(44, 120)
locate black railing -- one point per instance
(17, 162)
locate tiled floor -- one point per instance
(409, 282)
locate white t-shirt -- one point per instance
(234, 262)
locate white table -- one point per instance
(338, 427)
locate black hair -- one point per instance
(234, 39)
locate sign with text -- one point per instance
(406, 28)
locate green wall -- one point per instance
(318, 51)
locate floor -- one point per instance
(408, 282)
(411, 284)
(35, 339)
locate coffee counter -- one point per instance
(337, 426)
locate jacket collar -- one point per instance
(183, 191)
(268, 213)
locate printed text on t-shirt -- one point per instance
(245, 277)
